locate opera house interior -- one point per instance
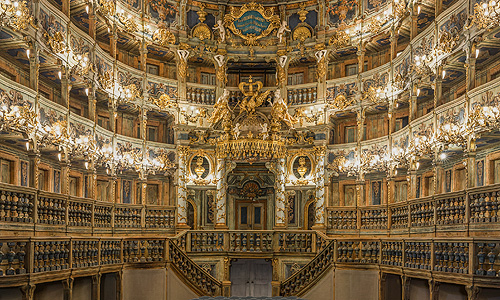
(262, 149)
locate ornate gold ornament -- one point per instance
(302, 114)
(250, 12)
(339, 39)
(128, 21)
(322, 62)
(164, 102)
(182, 64)
(281, 77)
(486, 14)
(56, 42)
(220, 66)
(447, 41)
(302, 169)
(202, 32)
(341, 102)
(303, 12)
(195, 115)
(301, 33)
(202, 14)
(163, 37)
(253, 97)
(222, 112)
(15, 14)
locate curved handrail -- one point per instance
(195, 275)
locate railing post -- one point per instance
(472, 260)
(35, 208)
(143, 216)
(433, 255)
(92, 217)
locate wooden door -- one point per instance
(250, 215)
(251, 277)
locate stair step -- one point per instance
(247, 298)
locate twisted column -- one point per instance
(320, 188)
(220, 200)
(280, 204)
(181, 188)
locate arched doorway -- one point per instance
(310, 215)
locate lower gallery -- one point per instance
(201, 149)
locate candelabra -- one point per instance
(194, 115)
(15, 14)
(311, 116)
(487, 14)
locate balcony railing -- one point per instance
(58, 257)
(22, 208)
(474, 260)
(469, 210)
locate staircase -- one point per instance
(247, 298)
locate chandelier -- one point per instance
(486, 14)
(253, 137)
(15, 14)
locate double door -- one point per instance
(251, 215)
(251, 277)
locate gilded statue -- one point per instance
(279, 110)
(221, 69)
(222, 111)
(253, 97)
(322, 64)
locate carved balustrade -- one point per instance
(418, 255)
(58, 212)
(302, 94)
(342, 218)
(193, 272)
(85, 253)
(160, 217)
(474, 209)
(16, 204)
(80, 212)
(484, 205)
(399, 217)
(296, 241)
(307, 275)
(250, 241)
(450, 208)
(51, 208)
(200, 94)
(207, 241)
(452, 257)
(392, 253)
(373, 218)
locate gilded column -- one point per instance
(319, 218)
(220, 200)
(280, 204)
(182, 151)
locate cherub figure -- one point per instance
(282, 30)
(237, 131)
(222, 30)
(265, 131)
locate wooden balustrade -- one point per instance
(198, 276)
(61, 213)
(477, 209)
(302, 95)
(475, 259)
(436, 257)
(266, 241)
(200, 95)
